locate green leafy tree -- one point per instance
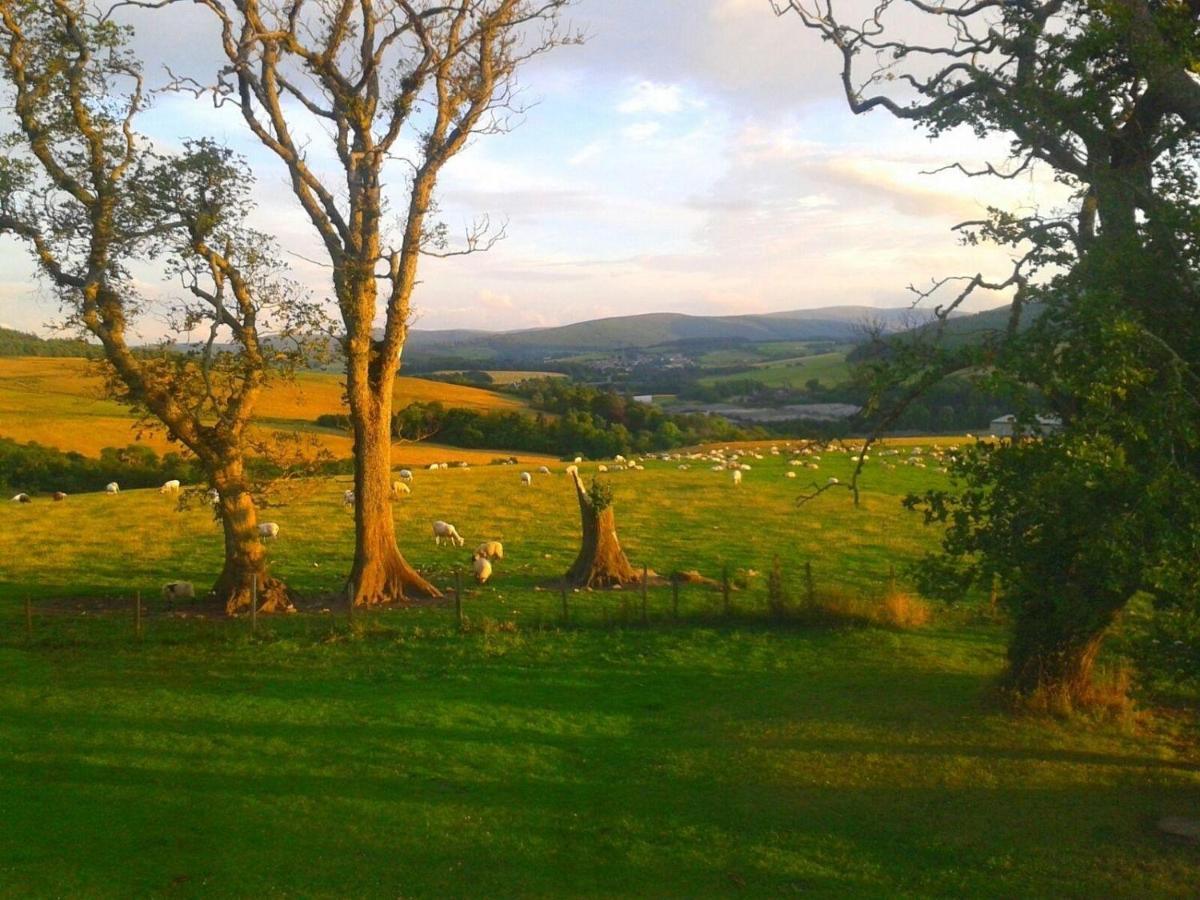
(1103, 99)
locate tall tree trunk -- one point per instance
(1054, 646)
(245, 569)
(380, 574)
(601, 561)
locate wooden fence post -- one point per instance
(645, 583)
(254, 604)
(458, 596)
(137, 614)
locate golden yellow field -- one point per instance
(60, 403)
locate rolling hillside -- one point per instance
(60, 403)
(837, 323)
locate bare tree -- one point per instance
(399, 87)
(82, 190)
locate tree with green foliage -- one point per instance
(1102, 99)
(90, 199)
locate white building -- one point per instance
(1005, 426)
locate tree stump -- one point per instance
(601, 561)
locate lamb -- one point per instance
(178, 590)
(526, 479)
(112, 488)
(490, 550)
(483, 569)
(268, 530)
(737, 476)
(399, 489)
(348, 498)
(405, 474)
(22, 498)
(170, 487)
(449, 532)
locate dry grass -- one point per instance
(1107, 696)
(61, 403)
(836, 606)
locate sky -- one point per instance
(693, 156)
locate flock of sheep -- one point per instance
(723, 459)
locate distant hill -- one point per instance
(838, 323)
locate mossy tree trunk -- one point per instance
(601, 561)
(244, 574)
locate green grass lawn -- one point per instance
(398, 757)
(828, 368)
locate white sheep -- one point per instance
(483, 569)
(543, 470)
(449, 532)
(578, 459)
(22, 498)
(170, 487)
(432, 466)
(602, 468)
(789, 474)
(268, 530)
(112, 488)
(833, 480)
(490, 550)
(737, 476)
(405, 475)
(526, 479)
(178, 590)
(348, 498)
(399, 489)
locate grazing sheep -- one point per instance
(483, 569)
(789, 474)
(348, 498)
(59, 495)
(268, 530)
(178, 590)
(490, 550)
(22, 498)
(833, 480)
(112, 488)
(737, 476)
(543, 470)
(405, 474)
(601, 468)
(526, 479)
(170, 487)
(449, 532)
(399, 489)
(432, 466)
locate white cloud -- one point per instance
(641, 131)
(652, 97)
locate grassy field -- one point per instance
(506, 376)
(828, 368)
(61, 403)
(395, 756)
